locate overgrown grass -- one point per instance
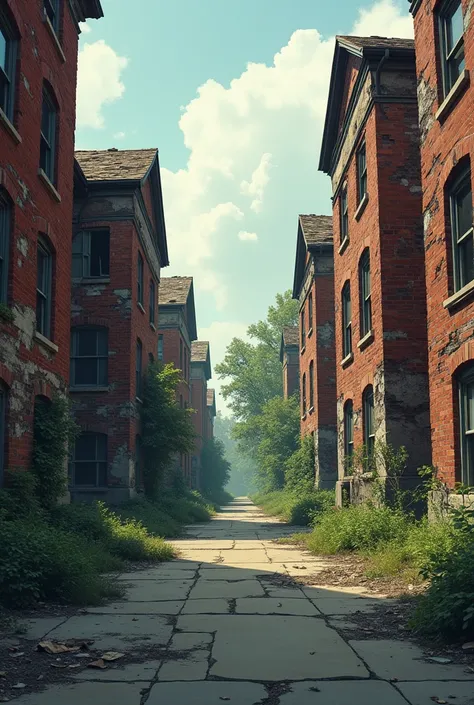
(297, 508)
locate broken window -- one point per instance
(452, 43)
(346, 320)
(8, 57)
(49, 117)
(44, 264)
(89, 463)
(89, 357)
(344, 214)
(361, 172)
(348, 434)
(365, 294)
(5, 220)
(462, 230)
(369, 421)
(466, 399)
(91, 254)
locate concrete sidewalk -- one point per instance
(228, 629)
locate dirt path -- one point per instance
(227, 623)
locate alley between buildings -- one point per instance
(242, 619)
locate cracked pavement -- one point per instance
(228, 625)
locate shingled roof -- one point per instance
(376, 42)
(116, 164)
(291, 335)
(175, 290)
(199, 351)
(317, 229)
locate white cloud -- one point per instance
(85, 29)
(258, 182)
(248, 237)
(384, 19)
(119, 136)
(99, 82)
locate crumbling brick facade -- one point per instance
(446, 114)
(381, 343)
(200, 375)
(119, 247)
(314, 288)
(290, 360)
(37, 118)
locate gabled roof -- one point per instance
(83, 10)
(211, 401)
(200, 355)
(314, 235)
(179, 291)
(290, 337)
(368, 49)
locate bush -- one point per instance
(215, 469)
(152, 516)
(300, 509)
(187, 509)
(299, 468)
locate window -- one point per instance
(348, 433)
(140, 279)
(151, 358)
(310, 312)
(346, 320)
(91, 254)
(344, 214)
(48, 136)
(369, 421)
(89, 465)
(138, 370)
(152, 301)
(451, 43)
(3, 430)
(361, 172)
(466, 398)
(8, 54)
(185, 369)
(160, 348)
(364, 289)
(89, 357)
(44, 265)
(311, 385)
(462, 230)
(303, 393)
(180, 354)
(5, 214)
(303, 330)
(51, 8)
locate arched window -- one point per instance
(365, 294)
(89, 463)
(369, 420)
(466, 418)
(346, 320)
(89, 357)
(348, 432)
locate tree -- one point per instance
(242, 468)
(299, 468)
(215, 469)
(167, 429)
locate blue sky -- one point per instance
(233, 94)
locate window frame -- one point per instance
(140, 278)
(346, 303)
(139, 369)
(311, 385)
(55, 10)
(44, 322)
(152, 295)
(368, 418)
(310, 311)
(98, 357)
(361, 161)
(365, 294)
(463, 179)
(303, 393)
(7, 103)
(445, 15)
(5, 238)
(48, 157)
(348, 432)
(96, 460)
(466, 435)
(343, 215)
(84, 254)
(303, 328)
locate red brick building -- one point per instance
(200, 375)
(211, 413)
(38, 67)
(314, 288)
(290, 360)
(119, 247)
(176, 331)
(370, 150)
(444, 41)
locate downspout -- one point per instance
(379, 71)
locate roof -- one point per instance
(116, 164)
(317, 229)
(200, 354)
(291, 335)
(374, 42)
(175, 290)
(211, 400)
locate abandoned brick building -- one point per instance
(290, 360)
(176, 331)
(313, 287)
(370, 150)
(200, 375)
(211, 412)
(38, 68)
(119, 246)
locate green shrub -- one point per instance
(215, 469)
(188, 509)
(298, 508)
(152, 516)
(299, 468)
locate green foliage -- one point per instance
(189, 508)
(18, 497)
(298, 508)
(299, 468)
(167, 428)
(152, 515)
(54, 430)
(6, 314)
(215, 469)
(242, 468)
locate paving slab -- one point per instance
(219, 588)
(227, 573)
(388, 658)
(265, 568)
(346, 605)
(452, 692)
(213, 606)
(192, 668)
(242, 648)
(80, 693)
(292, 593)
(318, 591)
(153, 591)
(115, 632)
(181, 564)
(38, 628)
(163, 607)
(203, 544)
(342, 693)
(268, 605)
(245, 557)
(250, 545)
(200, 556)
(204, 693)
(158, 574)
(130, 673)
(185, 641)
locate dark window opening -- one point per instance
(369, 421)
(365, 294)
(140, 279)
(346, 320)
(348, 434)
(311, 385)
(44, 266)
(89, 464)
(51, 7)
(361, 172)
(91, 254)
(8, 58)
(310, 311)
(452, 43)
(344, 214)
(460, 195)
(303, 392)
(466, 400)
(303, 329)
(48, 136)
(89, 357)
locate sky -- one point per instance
(233, 94)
